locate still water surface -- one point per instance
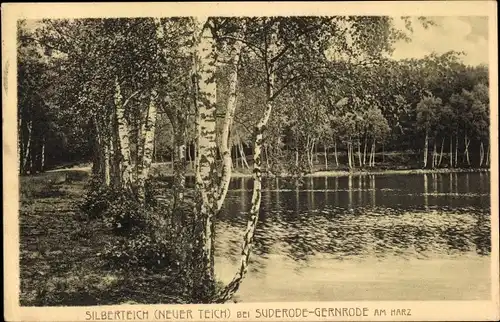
(383, 237)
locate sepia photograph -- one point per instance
(245, 158)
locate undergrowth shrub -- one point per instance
(163, 243)
(150, 237)
(97, 199)
(120, 210)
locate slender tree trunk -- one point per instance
(383, 152)
(359, 154)
(296, 157)
(20, 143)
(178, 155)
(155, 157)
(27, 147)
(233, 286)
(451, 151)
(190, 155)
(370, 158)
(107, 165)
(373, 149)
(311, 156)
(114, 166)
(488, 154)
(442, 152)
(228, 122)
(349, 154)
(267, 157)
(364, 152)
(243, 156)
(426, 148)
(336, 155)
(434, 155)
(456, 151)
(466, 152)
(42, 156)
(325, 151)
(481, 154)
(316, 157)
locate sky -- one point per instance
(468, 34)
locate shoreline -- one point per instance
(344, 173)
(323, 173)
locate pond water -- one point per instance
(364, 237)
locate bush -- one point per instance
(143, 251)
(97, 199)
(120, 209)
(125, 215)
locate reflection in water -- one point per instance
(426, 191)
(349, 188)
(320, 234)
(391, 215)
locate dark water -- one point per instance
(417, 237)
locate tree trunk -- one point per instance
(178, 155)
(456, 151)
(488, 155)
(206, 172)
(155, 157)
(373, 149)
(311, 156)
(481, 154)
(42, 156)
(123, 135)
(325, 151)
(451, 151)
(243, 156)
(466, 152)
(27, 147)
(267, 157)
(441, 153)
(426, 148)
(364, 152)
(359, 154)
(434, 155)
(233, 286)
(349, 154)
(228, 121)
(146, 157)
(336, 155)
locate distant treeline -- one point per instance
(436, 107)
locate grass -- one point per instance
(60, 260)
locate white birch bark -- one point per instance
(336, 155)
(206, 174)
(123, 136)
(441, 153)
(146, 157)
(233, 286)
(426, 148)
(228, 121)
(450, 152)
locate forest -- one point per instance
(214, 97)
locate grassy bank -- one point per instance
(60, 253)
(165, 170)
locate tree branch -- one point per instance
(256, 49)
(130, 97)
